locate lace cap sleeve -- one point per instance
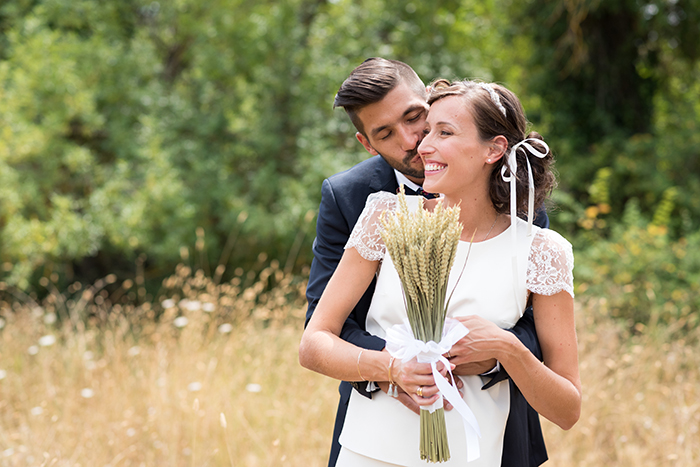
(365, 236)
(551, 264)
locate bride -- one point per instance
(475, 135)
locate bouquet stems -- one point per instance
(422, 246)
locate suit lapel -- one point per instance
(383, 177)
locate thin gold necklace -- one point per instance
(492, 226)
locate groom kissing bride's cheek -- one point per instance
(510, 290)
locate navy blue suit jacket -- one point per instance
(343, 199)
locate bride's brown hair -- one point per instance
(502, 114)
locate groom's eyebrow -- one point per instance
(411, 109)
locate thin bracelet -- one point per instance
(393, 389)
(358, 365)
(391, 363)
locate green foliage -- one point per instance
(617, 98)
(128, 127)
(642, 275)
(137, 134)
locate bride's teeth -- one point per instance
(434, 167)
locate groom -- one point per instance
(386, 101)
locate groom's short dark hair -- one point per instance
(370, 82)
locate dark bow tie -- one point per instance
(419, 191)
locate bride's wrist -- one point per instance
(509, 349)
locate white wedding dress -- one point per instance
(381, 431)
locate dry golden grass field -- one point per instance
(215, 381)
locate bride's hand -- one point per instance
(408, 401)
(477, 350)
(416, 379)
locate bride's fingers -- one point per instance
(413, 374)
(414, 367)
(425, 400)
(426, 392)
(414, 381)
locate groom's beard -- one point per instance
(409, 165)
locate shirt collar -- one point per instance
(401, 179)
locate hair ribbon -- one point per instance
(511, 166)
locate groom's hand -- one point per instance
(404, 398)
(474, 368)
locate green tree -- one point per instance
(610, 76)
(136, 129)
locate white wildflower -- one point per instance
(36, 411)
(225, 328)
(87, 393)
(47, 340)
(169, 303)
(181, 321)
(194, 387)
(253, 387)
(33, 350)
(208, 307)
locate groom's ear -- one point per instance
(365, 142)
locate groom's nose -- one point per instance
(409, 138)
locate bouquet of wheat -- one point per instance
(422, 246)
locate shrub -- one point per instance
(640, 274)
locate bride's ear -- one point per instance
(497, 148)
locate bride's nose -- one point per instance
(425, 147)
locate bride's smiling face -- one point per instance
(455, 157)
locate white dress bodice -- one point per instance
(382, 428)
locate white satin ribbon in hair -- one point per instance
(512, 167)
(401, 344)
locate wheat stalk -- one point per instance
(423, 246)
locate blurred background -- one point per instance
(158, 159)
(142, 133)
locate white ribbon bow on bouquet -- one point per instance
(401, 344)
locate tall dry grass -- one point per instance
(85, 382)
(641, 397)
(89, 379)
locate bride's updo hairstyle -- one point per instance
(497, 111)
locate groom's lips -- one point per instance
(413, 155)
